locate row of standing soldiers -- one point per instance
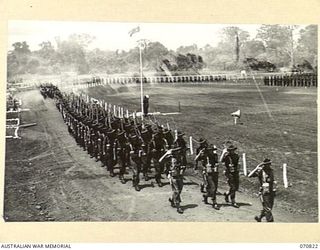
(293, 80)
(158, 79)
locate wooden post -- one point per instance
(191, 145)
(235, 120)
(285, 177)
(244, 164)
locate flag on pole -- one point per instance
(133, 31)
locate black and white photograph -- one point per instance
(161, 122)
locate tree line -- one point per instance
(273, 47)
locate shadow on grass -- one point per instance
(189, 206)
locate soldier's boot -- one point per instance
(205, 199)
(97, 158)
(110, 169)
(234, 204)
(172, 203)
(257, 218)
(160, 184)
(146, 177)
(179, 209)
(158, 180)
(137, 188)
(226, 197)
(215, 205)
(122, 179)
(202, 188)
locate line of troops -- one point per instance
(131, 144)
(293, 80)
(157, 79)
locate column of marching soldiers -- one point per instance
(293, 80)
(137, 145)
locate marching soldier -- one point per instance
(175, 176)
(136, 162)
(209, 158)
(168, 137)
(203, 145)
(158, 148)
(231, 160)
(110, 151)
(267, 190)
(146, 137)
(120, 145)
(180, 142)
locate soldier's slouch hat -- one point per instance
(231, 147)
(266, 161)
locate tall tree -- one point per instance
(232, 40)
(279, 43)
(308, 44)
(253, 48)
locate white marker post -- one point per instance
(244, 164)
(191, 145)
(119, 112)
(114, 110)
(176, 134)
(285, 177)
(235, 120)
(127, 113)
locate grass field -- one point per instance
(279, 123)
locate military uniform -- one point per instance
(146, 105)
(158, 148)
(210, 163)
(231, 160)
(121, 148)
(267, 190)
(199, 151)
(135, 160)
(110, 151)
(181, 143)
(175, 176)
(146, 136)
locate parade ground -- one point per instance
(48, 177)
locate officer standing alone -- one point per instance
(145, 105)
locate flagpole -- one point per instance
(141, 83)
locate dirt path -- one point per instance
(50, 178)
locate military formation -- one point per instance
(155, 79)
(293, 80)
(126, 143)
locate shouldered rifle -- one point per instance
(258, 168)
(198, 155)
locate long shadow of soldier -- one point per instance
(189, 206)
(146, 185)
(190, 184)
(241, 204)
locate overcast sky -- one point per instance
(113, 36)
